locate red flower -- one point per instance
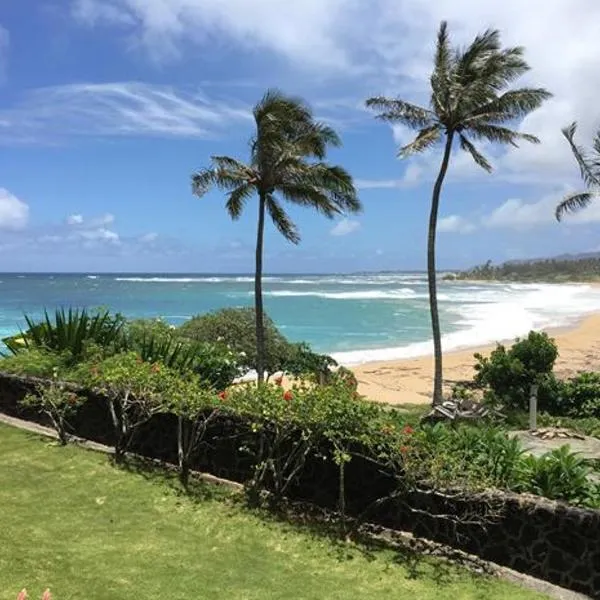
(403, 449)
(223, 396)
(288, 396)
(408, 430)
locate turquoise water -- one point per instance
(356, 317)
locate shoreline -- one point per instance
(410, 380)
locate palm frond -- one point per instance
(588, 166)
(282, 222)
(225, 173)
(511, 105)
(498, 134)
(395, 110)
(574, 203)
(481, 160)
(443, 67)
(237, 200)
(425, 139)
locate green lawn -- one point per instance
(89, 531)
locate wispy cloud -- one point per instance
(345, 227)
(116, 109)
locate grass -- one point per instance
(89, 531)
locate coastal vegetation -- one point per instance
(470, 101)
(551, 270)
(287, 163)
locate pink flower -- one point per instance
(47, 595)
(22, 595)
(408, 430)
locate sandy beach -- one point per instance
(410, 381)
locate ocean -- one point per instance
(356, 318)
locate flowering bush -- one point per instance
(57, 402)
(135, 390)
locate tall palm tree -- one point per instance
(589, 165)
(470, 100)
(286, 162)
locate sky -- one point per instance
(107, 107)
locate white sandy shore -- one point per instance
(411, 380)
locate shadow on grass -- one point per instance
(197, 490)
(319, 524)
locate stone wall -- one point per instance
(545, 539)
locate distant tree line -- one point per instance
(550, 269)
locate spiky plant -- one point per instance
(286, 163)
(470, 101)
(589, 165)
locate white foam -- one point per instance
(192, 279)
(483, 321)
(401, 294)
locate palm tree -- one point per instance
(287, 162)
(470, 100)
(589, 165)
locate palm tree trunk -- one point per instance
(431, 273)
(258, 299)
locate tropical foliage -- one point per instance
(286, 163)
(234, 329)
(72, 331)
(550, 269)
(470, 101)
(589, 165)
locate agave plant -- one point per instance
(68, 331)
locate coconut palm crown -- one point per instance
(469, 102)
(286, 164)
(589, 165)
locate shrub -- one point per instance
(136, 390)
(509, 374)
(287, 426)
(302, 362)
(580, 396)
(235, 329)
(560, 475)
(57, 402)
(196, 408)
(36, 362)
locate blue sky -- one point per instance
(108, 106)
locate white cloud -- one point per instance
(117, 109)
(14, 213)
(345, 227)
(149, 238)
(74, 220)
(455, 224)
(99, 235)
(517, 214)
